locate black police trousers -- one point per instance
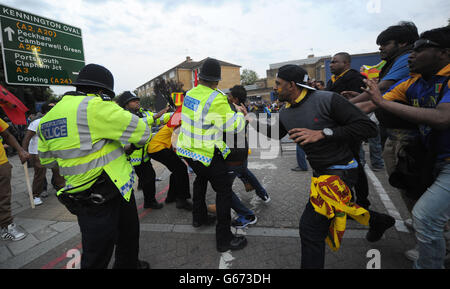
(179, 187)
(147, 178)
(217, 175)
(114, 223)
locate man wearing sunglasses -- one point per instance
(428, 96)
(395, 44)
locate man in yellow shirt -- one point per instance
(8, 230)
(160, 149)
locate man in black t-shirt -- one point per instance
(326, 125)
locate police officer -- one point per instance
(82, 135)
(139, 158)
(205, 115)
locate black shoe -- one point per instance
(153, 205)
(143, 265)
(236, 243)
(378, 226)
(210, 220)
(184, 204)
(299, 169)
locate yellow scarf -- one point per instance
(334, 78)
(331, 197)
(299, 98)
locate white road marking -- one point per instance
(260, 166)
(386, 200)
(225, 260)
(252, 231)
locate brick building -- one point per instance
(186, 73)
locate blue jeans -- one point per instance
(247, 176)
(301, 158)
(238, 206)
(375, 152)
(430, 214)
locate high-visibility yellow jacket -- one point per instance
(83, 135)
(140, 155)
(148, 117)
(205, 115)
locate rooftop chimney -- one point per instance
(311, 56)
(188, 59)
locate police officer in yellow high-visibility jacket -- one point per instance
(139, 158)
(205, 115)
(82, 135)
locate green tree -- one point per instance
(163, 91)
(147, 102)
(248, 77)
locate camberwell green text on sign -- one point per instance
(39, 51)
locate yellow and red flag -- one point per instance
(373, 71)
(331, 197)
(178, 98)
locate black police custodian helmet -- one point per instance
(126, 97)
(210, 70)
(97, 76)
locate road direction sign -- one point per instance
(39, 51)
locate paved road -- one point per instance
(168, 241)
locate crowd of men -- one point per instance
(99, 146)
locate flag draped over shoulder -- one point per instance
(13, 107)
(331, 197)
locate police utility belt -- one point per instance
(99, 193)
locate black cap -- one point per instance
(97, 76)
(295, 73)
(126, 97)
(210, 70)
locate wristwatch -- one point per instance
(327, 132)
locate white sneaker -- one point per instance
(37, 201)
(412, 254)
(11, 233)
(265, 198)
(409, 224)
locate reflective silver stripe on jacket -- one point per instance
(51, 165)
(196, 124)
(198, 136)
(199, 123)
(96, 163)
(83, 126)
(208, 103)
(231, 121)
(73, 153)
(146, 136)
(130, 128)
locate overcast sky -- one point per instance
(139, 39)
